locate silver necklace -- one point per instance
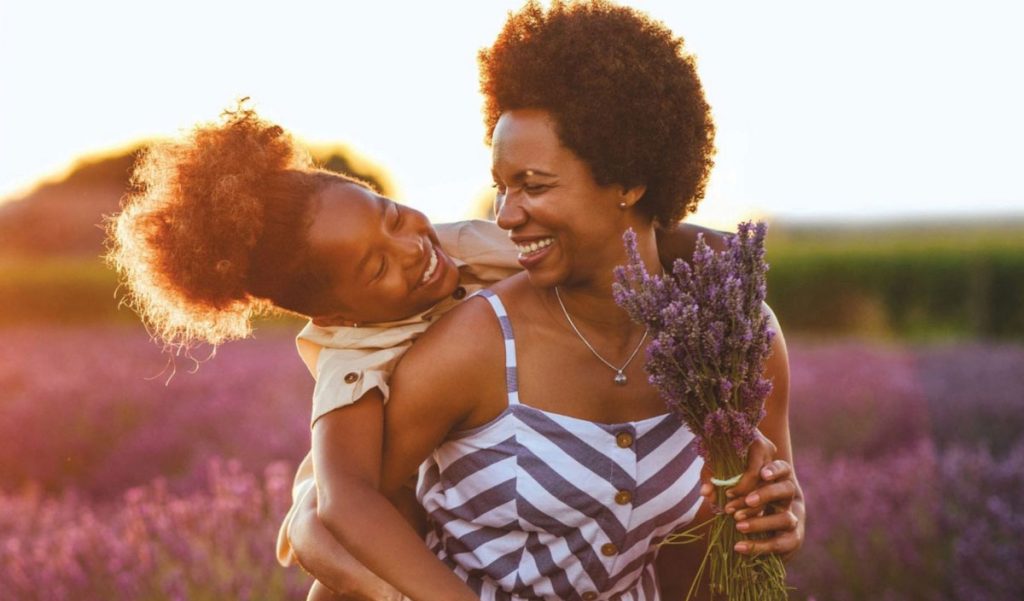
(620, 378)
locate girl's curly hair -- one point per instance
(624, 95)
(214, 231)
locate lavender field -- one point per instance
(115, 485)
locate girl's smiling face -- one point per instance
(385, 260)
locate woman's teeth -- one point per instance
(532, 247)
(431, 267)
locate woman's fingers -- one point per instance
(781, 492)
(707, 489)
(776, 470)
(777, 494)
(785, 544)
(747, 513)
(780, 523)
(761, 452)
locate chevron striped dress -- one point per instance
(538, 505)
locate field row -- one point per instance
(912, 460)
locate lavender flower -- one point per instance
(710, 342)
(710, 333)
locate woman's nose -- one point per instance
(509, 212)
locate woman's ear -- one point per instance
(630, 196)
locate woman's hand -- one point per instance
(767, 499)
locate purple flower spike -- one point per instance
(709, 344)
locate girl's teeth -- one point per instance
(431, 267)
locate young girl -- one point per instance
(233, 221)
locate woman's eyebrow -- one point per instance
(525, 173)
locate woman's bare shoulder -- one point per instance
(461, 338)
(446, 375)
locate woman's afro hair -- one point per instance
(624, 95)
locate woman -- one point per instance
(549, 466)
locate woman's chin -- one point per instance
(542, 278)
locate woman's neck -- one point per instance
(589, 302)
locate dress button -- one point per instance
(589, 596)
(459, 294)
(609, 549)
(624, 439)
(351, 377)
(623, 497)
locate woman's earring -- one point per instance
(622, 205)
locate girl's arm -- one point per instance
(339, 576)
(346, 461)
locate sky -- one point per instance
(867, 110)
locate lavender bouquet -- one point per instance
(710, 341)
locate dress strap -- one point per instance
(511, 377)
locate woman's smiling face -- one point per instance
(567, 227)
(385, 259)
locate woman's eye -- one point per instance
(535, 188)
(383, 268)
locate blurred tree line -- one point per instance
(918, 280)
(931, 280)
(64, 217)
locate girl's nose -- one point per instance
(410, 249)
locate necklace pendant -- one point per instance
(620, 379)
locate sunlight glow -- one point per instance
(870, 109)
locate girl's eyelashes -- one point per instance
(383, 268)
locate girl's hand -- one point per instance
(319, 592)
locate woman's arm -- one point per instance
(777, 489)
(679, 241)
(346, 461)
